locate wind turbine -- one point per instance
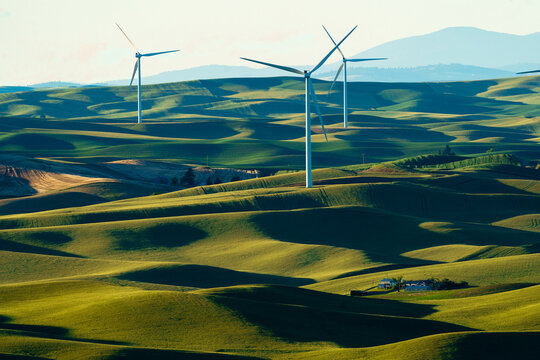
(310, 92)
(138, 55)
(344, 68)
(528, 72)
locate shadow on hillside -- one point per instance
(9, 356)
(362, 180)
(48, 202)
(279, 294)
(204, 277)
(382, 268)
(395, 133)
(202, 129)
(36, 142)
(8, 245)
(12, 186)
(166, 235)
(161, 354)
(46, 331)
(472, 183)
(352, 327)
(383, 235)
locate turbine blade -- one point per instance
(159, 53)
(312, 91)
(370, 59)
(528, 72)
(331, 51)
(131, 42)
(134, 71)
(330, 36)
(286, 68)
(337, 74)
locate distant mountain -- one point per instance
(45, 85)
(462, 45)
(204, 72)
(10, 89)
(54, 84)
(451, 54)
(441, 72)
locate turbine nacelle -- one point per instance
(137, 69)
(343, 66)
(310, 96)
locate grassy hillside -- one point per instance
(104, 257)
(188, 260)
(259, 122)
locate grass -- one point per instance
(258, 122)
(508, 269)
(509, 310)
(462, 345)
(260, 268)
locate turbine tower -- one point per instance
(138, 55)
(310, 93)
(344, 68)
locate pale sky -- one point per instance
(75, 40)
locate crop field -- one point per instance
(104, 256)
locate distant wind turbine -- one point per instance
(528, 72)
(138, 55)
(310, 92)
(344, 68)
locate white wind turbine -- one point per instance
(138, 55)
(310, 92)
(344, 68)
(528, 72)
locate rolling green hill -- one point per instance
(102, 259)
(259, 122)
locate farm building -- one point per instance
(386, 283)
(421, 285)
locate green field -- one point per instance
(98, 262)
(259, 122)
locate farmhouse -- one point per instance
(421, 285)
(386, 283)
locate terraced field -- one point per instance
(109, 264)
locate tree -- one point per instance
(235, 178)
(400, 284)
(174, 181)
(209, 181)
(189, 178)
(447, 151)
(217, 181)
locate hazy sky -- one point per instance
(72, 40)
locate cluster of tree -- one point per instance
(447, 284)
(400, 283)
(447, 151)
(428, 160)
(435, 283)
(210, 182)
(217, 180)
(189, 179)
(490, 159)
